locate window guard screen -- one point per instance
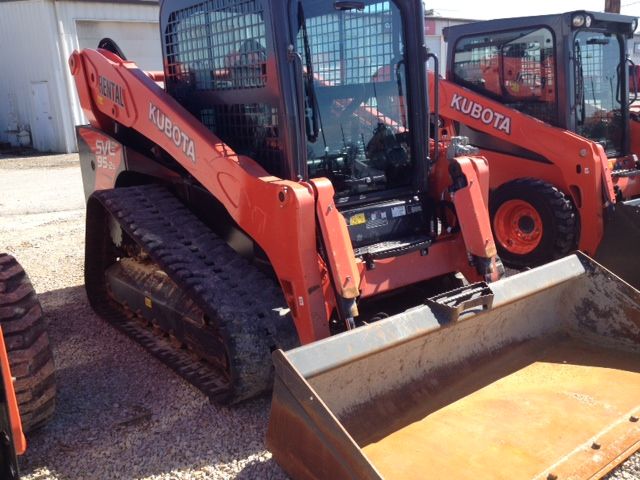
(516, 68)
(217, 45)
(599, 98)
(359, 80)
(215, 50)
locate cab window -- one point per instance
(517, 68)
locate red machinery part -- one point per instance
(19, 440)
(518, 226)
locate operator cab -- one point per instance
(312, 89)
(358, 127)
(362, 140)
(569, 70)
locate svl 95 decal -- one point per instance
(107, 158)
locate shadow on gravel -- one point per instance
(255, 470)
(122, 414)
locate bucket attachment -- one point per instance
(542, 381)
(619, 250)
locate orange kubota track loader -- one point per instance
(546, 100)
(273, 187)
(261, 193)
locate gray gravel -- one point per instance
(120, 413)
(630, 470)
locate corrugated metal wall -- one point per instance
(37, 38)
(70, 13)
(139, 41)
(27, 34)
(435, 41)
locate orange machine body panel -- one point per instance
(19, 440)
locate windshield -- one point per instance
(514, 67)
(358, 79)
(599, 93)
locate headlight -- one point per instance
(634, 25)
(578, 21)
(587, 21)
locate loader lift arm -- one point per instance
(146, 108)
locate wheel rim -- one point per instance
(518, 227)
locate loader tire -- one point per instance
(27, 343)
(533, 222)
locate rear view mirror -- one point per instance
(348, 5)
(598, 41)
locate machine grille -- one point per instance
(217, 45)
(216, 67)
(250, 129)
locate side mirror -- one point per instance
(348, 5)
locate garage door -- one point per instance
(139, 41)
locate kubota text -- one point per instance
(173, 131)
(477, 111)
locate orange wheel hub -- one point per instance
(518, 227)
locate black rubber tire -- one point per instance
(28, 348)
(559, 219)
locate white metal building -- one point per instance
(633, 48)
(433, 26)
(37, 91)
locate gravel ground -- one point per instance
(120, 413)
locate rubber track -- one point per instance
(244, 307)
(27, 343)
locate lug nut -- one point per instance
(633, 418)
(552, 476)
(595, 446)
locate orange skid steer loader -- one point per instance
(276, 186)
(546, 99)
